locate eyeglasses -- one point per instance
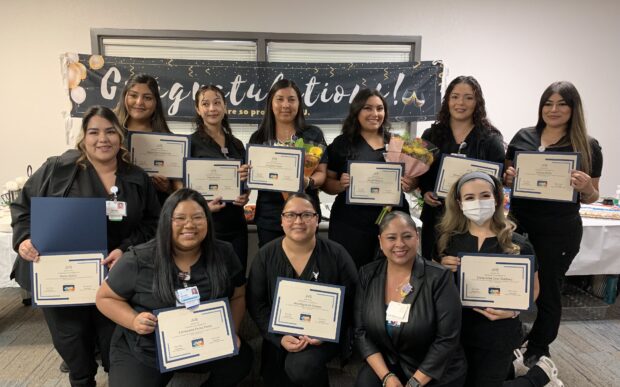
(181, 220)
(305, 216)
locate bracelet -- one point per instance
(386, 377)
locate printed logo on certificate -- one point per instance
(500, 281)
(159, 153)
(545, 176)
(307, 308)
(67, 279)
(275, 168)
(213, 177)
(186, 337)
(373, 183)
(452, 168)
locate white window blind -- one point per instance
(186, 49)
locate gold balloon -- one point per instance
(95, 62)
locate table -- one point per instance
(7, 257)
(600, 248)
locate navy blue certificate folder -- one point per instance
(68, 224)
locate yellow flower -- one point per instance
(316, 151)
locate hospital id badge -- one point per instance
(115, 210)
(188, 297)
(397, 312)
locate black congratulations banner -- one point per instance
(412, 89)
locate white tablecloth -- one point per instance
(7, 257)
(600, 248)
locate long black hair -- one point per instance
(200, 124)
(267, 129)
(440, 130)
(211, 259)
(158, 119)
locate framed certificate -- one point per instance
(186, 337)
(159, 153)
(451, 168)
(499, 281)
(213, 177)
(70, 279)
(545, 176)
(374, 183)
(307, 308)
(275, 168)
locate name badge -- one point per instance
(115, 210)
(397, 312)
(458, 155)
(188, 297)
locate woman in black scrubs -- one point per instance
(555, 228)
(97, 165)
(474, 222)
(462, 127)
(213, 139)
(298, 360)
(139, 109)
(365, 134)
(184, 254)
(282, 124)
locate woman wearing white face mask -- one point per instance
(474, 222)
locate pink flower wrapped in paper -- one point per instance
(417, 155)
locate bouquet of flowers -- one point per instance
(416, 154)
(312, 156)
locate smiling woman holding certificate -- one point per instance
(98, 168)
(296, 359)
(554, 227)
(474, 222)
(214, 139)
(407, 315)
(365, 134)
(183, 262)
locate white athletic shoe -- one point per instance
(520, 368)
(547, 365)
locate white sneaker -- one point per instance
(547, 365)
(520, 368)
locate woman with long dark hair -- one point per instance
(98, 165)
(555, 228)
(365, 134)
(282, 124)
(139, 109)
(184, 253)
(462, 127)
(214, 139)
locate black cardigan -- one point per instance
(430, 340)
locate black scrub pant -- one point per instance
(487, 368)
(306, 368)
(239, 242)
(265, 236)
(554, 253)
(127, 371)
(75, 333)
(361, 243)
(366, 377)
(430, 218)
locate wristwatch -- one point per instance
(413, 382)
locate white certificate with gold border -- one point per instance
(545, 176)
(275, 168)
(305, 308)
(186, 337)
(67, 279)
(499, 281)
(374, 183)
(214, 177)
(452, 168)
(159, 153)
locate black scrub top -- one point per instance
(269, 204)
(542, 216)
(477, 330)
(230, 220)
(489, 148)
(341, 151)
(136, 190)
(132, 279)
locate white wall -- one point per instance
(514, 48)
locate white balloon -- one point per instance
(78, 94)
